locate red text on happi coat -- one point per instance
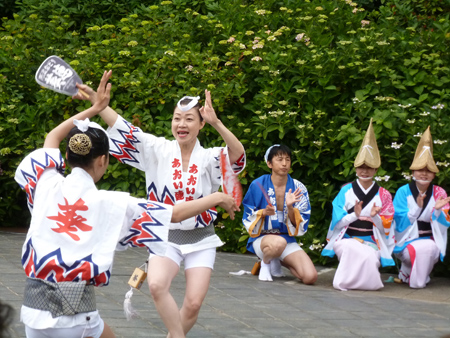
(69, 221)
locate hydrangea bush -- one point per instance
(309, 74)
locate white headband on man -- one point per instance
(190, 105)
(266, 156)
(83, 125)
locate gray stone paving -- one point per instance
(242, 306)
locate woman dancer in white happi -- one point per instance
(76, 228)
(421, 218)
(176, 171)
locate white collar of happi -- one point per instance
(186, 184)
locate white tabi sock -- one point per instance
(275, 268)
(264, 272)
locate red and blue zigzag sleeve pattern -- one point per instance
(33, 166)
(124, 147)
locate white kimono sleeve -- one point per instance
(144, 226)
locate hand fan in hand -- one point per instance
(55, 74)
(230, 182)
(264, 192)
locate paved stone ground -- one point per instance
(242, 306)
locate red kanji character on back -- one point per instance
(68, 221)
(178, 185)
(190, 191)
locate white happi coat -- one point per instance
(161, 161)
(76, 228)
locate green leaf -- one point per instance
(423, 97)
(243, 238)
(419, 89)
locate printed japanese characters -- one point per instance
(54, 73)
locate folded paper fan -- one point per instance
(230, 182)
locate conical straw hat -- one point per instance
(368, 153)
(424, 154)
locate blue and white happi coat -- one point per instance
(407, 213)
(342, 219)
(254, 202)
(166, 182)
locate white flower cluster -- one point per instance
(317, 246)
(443, 164)
(439, 141)
(407, 176)
(438, 106)
(396, 145)
(276, 113)
(405, 105)
(425, 113)
(384, 98)
(299, 36)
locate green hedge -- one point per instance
(309, 74)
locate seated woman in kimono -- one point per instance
(76, 228)
(421, 219)
(360, 227)
(277, 210)
(178, 170)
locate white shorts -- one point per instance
(197, 259)
(78, 331)
(290, 248)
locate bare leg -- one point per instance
(197, 284)
(301, 266)
(272, 246)
(107, 332)
(162, 271)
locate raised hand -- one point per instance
(88, 90)
(293, 197)
(441, 202)
(375, 210)
(207, 111)
(358, 208)
(103, 92)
